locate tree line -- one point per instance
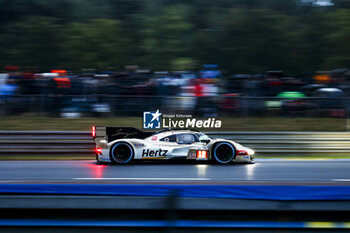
(241, 36)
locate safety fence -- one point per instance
(79, 144)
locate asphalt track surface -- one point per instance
(263, 171)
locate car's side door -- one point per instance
(185, 142)
(159, 148)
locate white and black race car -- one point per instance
(123, 145)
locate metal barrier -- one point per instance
(291, 143)
(170, 212)
(80, 144)
(46, 143)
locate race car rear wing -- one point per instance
(113, 133)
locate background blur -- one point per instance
(256, 64)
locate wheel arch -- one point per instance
(128, 142)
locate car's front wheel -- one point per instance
(224, 152)
(121, 152)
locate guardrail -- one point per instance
(57, 206)
(80, 144)
(46, 143)
(291, 143)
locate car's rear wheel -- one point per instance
(224, 152)
(121, 152)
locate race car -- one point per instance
(122, 145)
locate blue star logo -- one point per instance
(152, 120)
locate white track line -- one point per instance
(141, 179)
(209, 179)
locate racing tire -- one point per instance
(121, 153)
(97, 161)
(224, 152)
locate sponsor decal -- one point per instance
(154, 138)
(192, 154)
(157, 120)
(150, 153)
(123, 133)
(139, 145)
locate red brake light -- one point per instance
(93, 131)
(98, 150)
(59, 71)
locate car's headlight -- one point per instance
(250, 151)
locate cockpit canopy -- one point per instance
(186, 137)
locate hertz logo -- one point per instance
(154, 153)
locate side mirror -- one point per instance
(206, 141)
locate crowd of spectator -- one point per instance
(133, 90)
